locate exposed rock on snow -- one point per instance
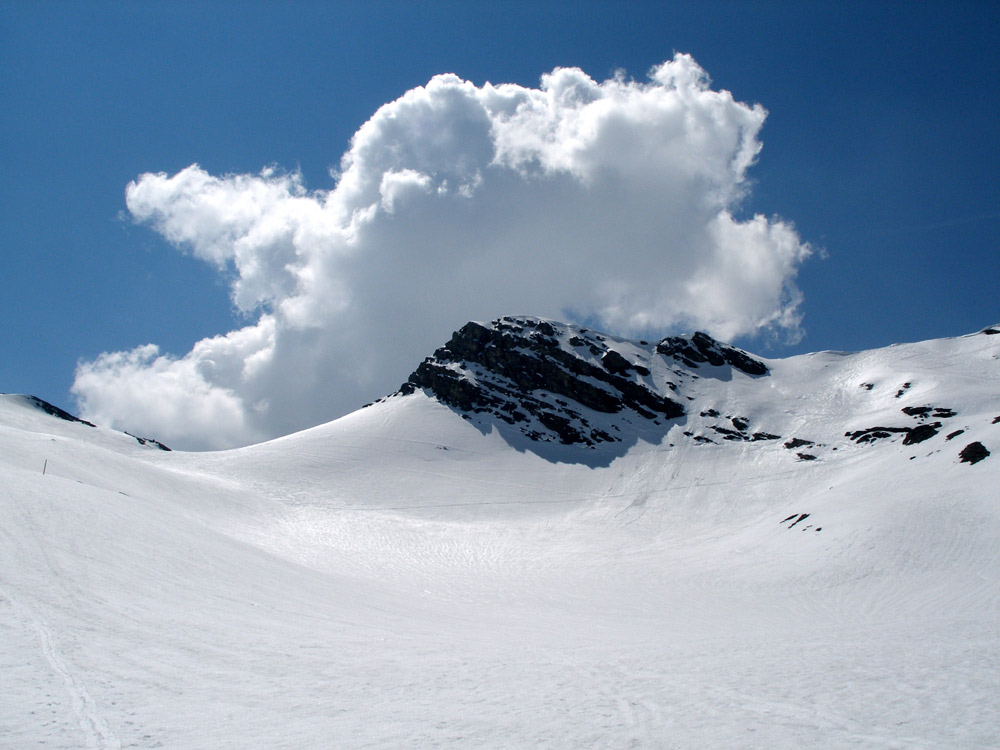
(567, 384)
(703, 349)
(923, 412)
(797, 443)
(149, 441)
(553, 381)
(871, 434)
(921, 433)
(973, 453)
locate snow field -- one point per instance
(397, 579)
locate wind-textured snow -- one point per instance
(398, 578)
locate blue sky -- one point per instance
(880, 146)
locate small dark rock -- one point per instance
(990, 331)
(798, 443)
(973, 453)
(872, 434)
(921, 433)
(763, 436)
(802, 517)
(740, 423)
(867, 386)
(956, 433)
(806, 456)
(728, 434)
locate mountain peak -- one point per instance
(562, 383)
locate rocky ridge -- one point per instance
(569, 384)
(560, 384)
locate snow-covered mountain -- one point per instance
(548, 537)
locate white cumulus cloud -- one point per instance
(613, 201)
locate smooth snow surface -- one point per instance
(398, 579)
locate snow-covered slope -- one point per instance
(782, 553)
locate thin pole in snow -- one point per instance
(45, 466)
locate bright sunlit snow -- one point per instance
(397, 578)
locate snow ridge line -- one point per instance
(95, 728)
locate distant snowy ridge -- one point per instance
(33, 402)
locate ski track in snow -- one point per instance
(96, 732)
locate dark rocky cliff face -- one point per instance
(560, 383)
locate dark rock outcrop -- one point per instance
(973, 453)
(703, 349)
(923, 412)
(518, 371)
(798, 443)
(871, 434)
(911, 435)
(921, 433)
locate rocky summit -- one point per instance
(564, 383)
(574, 389)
